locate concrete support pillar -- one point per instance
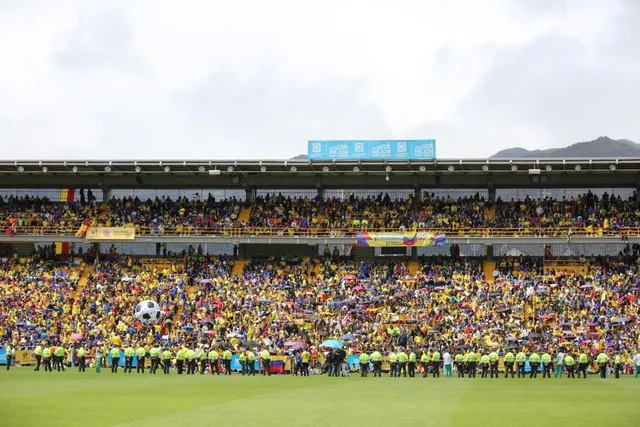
(250, 194)
(492, 193)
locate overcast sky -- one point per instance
(256, 79)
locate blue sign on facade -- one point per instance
(408, 149)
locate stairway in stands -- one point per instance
(317, 268)
(238, 267)
(413, 267)
(490, 213)
(84, 279)
(488, 267)
(245, 214)
(103, 210)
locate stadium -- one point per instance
(306, 291)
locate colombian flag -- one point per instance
(82, 231)
(11, 227)
(62, 248)
(276, 365)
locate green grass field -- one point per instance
(72, 399)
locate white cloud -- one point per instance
(249, 79)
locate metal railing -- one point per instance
(343, 231)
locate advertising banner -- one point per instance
(414, 238)
(25, 357)
(407, 149)
(111, 233)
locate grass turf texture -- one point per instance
(72, 399)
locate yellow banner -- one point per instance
(409, 239)
(111, 233)
(25, 357)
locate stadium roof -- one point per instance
(297, 173)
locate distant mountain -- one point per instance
(601, 147)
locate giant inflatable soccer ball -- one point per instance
(148, 312)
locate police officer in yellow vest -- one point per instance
(458, 360)
(166, 361)
(534, 362)
(265, 357)
(115, 359)
(509, 360)
(376, 360)
(129, 352)
(436, 361)
(180, 360)
(9, 355)
(203, 360)
(393, 364)
(493, 364)
(59, 354)
(251, 360)
(412, 364)
(363, 360)
(521, 358)
(213, 361)
(583, 363)
(227, 356)
(141, 354)
(472, 363)
(190, 355)
(484, 365)
(154, 354)
(617, 365)
(403, 358)
(242, 358)
(425, 360)
(46, 359)
(81, 353)
(603, 361)
(37, 352)
(547, 365)
(569, 363)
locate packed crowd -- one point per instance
(282, 304)
(596, 215)
(587, 214)
(367, 212)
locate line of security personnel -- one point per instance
(403, 364)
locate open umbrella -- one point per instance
(349, 277)
(76, 337)
(587, 286)
(210, 333)
(546, 316)
(332, 344)
(205, 281)
(295, 345)
(251, 344)
(620, 320)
